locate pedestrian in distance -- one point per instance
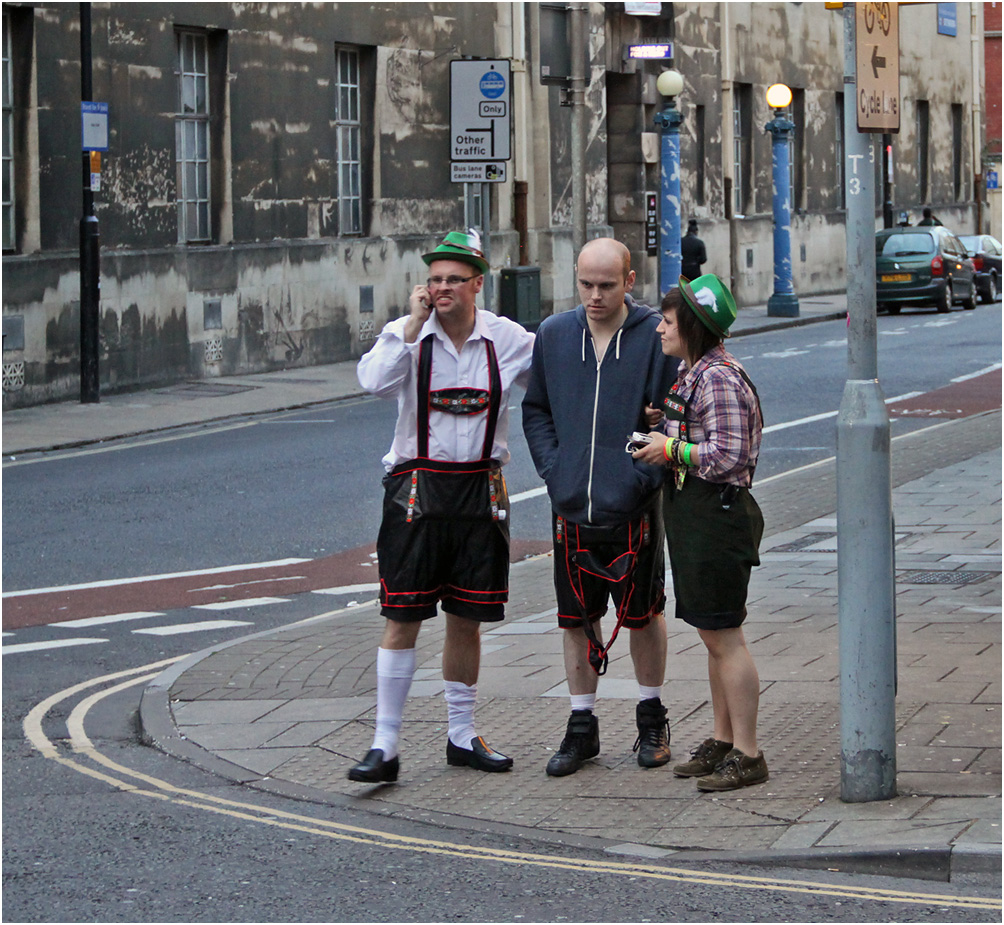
(444, 536)
(594, 370)
(710, 426)
(929, 217)
(692, 251)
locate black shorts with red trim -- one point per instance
(444, 539)
(625, 563)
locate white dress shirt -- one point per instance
(390, 370)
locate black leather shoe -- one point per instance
(652, 743)
(581, 742)
(480, 756)
(374, 770)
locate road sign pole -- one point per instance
(865, 559)
(90, 239)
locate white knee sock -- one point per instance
(583, 701)
(395, 669)
(647, 693)
(460, 700)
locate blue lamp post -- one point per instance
(783, 302)
(669, 84)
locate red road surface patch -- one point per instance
(958, 400)
(354, 567)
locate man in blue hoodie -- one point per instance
(594, 372)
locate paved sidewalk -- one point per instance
(290, 710)
(186, 404)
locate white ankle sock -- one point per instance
(583, 701)
(460, 700)
(395, 669)
(647, 693)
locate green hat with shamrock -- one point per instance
(711, 301)
(460, 246)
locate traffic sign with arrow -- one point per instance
(877, 87)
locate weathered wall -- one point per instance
(282, 287)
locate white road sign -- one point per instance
(477, 172)
(480, 110)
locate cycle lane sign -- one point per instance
(480, 110)
(877, 100)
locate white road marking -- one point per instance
(51, 644)
(831, 414)
(111, 618)
(347, 589)
(115, 582)
(241, 584)
(178, 628)
(979, 372)
(57, 455)
(783, 354)
(249, 602)
(524, 495)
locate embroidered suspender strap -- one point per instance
(424, 378)
(494, 399)
(424, 397)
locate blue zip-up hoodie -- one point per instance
(578, 415)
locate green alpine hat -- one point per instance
(460, 246)
(711, 301)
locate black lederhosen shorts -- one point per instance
(625, 563)
(712, 550)
(444, 538)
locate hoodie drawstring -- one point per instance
(583, 345)
(620, 331)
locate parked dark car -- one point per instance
(985, 252)
(922, 265)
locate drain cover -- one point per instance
(941, 577)
(810, 539)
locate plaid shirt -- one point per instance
(722, 416)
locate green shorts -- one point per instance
(712, 549)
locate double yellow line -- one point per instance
(140, 784)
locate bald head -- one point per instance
(603, 277)
(605, 250)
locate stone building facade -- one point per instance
(275, 170)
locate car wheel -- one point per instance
(992, 289)
(944, 300)
(893, 309)
(969, 302)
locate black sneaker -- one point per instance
(704, 759)
(652, 743)
(581, 742)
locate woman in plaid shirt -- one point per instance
(709, 435)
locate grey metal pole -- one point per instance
(486, 243)
(865, 563)
(577, 13)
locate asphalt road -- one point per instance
(95, 825)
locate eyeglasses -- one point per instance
(451, 281)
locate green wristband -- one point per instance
(687, 447)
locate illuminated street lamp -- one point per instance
(783, 302)
(670, 85)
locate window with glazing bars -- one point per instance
(8, 141)
(348, 131)
(192, 138)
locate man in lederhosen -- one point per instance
(444, 537)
